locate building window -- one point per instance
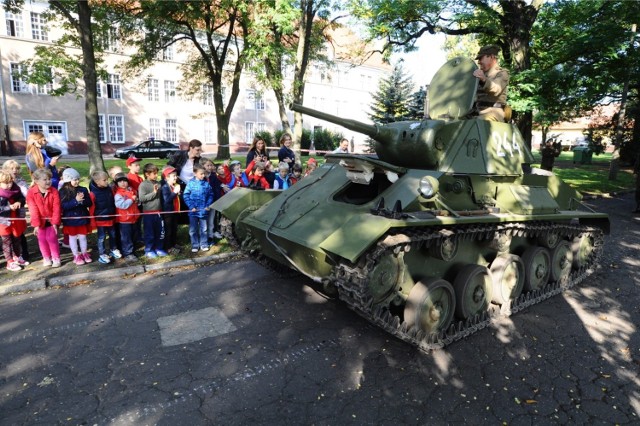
(116, 128)
(38, 27)
(168, 53)
(18, 84)
(171, 130)
(35, 128)
(113, 87)
(254, 100)
(110, 41)
(249, 131)
(99, 89)
(209, 131)
(101, 137)
(45, 89)
(261, 127)
(207, 94)
(169, 91)
(14, 24)
(155, 131)
(153, 90)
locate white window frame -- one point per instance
(210, 132)
(249, 131)
(38, 27)
(101, 133)
(14, 24)
(169, 91)
(111, 42)
(168, 53)
(207, 94)
(116, 128)
(153, 90)
(171, 130)
(18, 85)
(114, 87)
(99, 89)
(45, 89)
(155, 130)
(250, 100)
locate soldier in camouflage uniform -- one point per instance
(491, 96)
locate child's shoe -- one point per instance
(194, 250)
(151, 254)
(78, 260)
(13, 266)
(20, 261)
(46, 262)
(104, 258)
(204, 248)
(131, 258)
(116, 254)
(55, 263)
(86, 257)
(161, 253)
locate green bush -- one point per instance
(267, 137)
(326, 140)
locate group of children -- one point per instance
(127, 210)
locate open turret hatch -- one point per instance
(453, 90)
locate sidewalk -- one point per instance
(35, 276)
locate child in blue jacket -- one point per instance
(198, 196)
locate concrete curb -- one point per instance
(64, 281)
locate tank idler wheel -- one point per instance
(430, 305)
(473, 286)
(582, 249)
(561, 260)
(446, 251)
(549, 240)
(537, 266)
(386, 276)
(508, 274)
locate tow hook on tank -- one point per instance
(395, 213)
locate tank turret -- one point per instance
(451, 142)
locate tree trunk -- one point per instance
(90, 82)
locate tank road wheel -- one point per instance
(582, 249)
(473, 286)
(537, 266)
(549, 240)
(445, 251)
(561, 260)
(507, 273)
(430, 305)
(386, 277)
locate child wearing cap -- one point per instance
(102, 211)
(171, 208)
(44, 206)
(12, 223)
(282, 180)
(150, 197)
(311, 166)
(75, 202)
(127, 212)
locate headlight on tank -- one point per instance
(428, 187)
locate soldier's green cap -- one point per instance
(490, 49)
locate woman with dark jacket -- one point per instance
(257, 151)
(285, 154)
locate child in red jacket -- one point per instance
(45, 209)
(127, 212)
(12, 223)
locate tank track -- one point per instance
(351, 279)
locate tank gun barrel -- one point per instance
(370, 130)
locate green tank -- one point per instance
(445, 229)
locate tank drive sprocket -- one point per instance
(431, 302)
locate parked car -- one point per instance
(151, 148)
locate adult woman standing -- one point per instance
(285, 154)
(41, 156)
(257, 151)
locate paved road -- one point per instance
(235, 344)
